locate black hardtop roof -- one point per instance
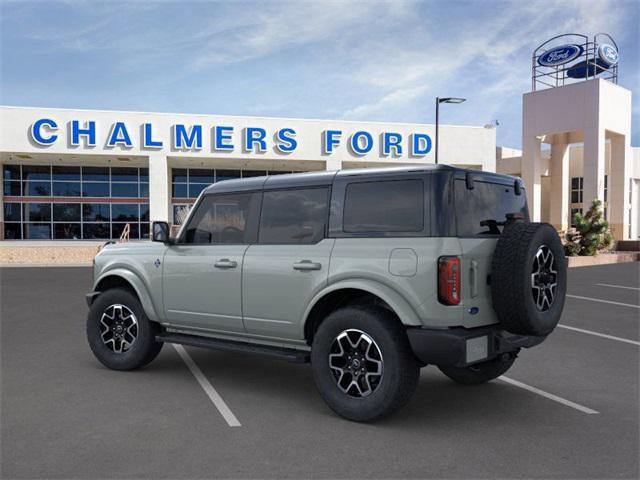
(311, 179)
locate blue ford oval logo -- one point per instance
(560, 55)
(608, 54)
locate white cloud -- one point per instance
(281, 25)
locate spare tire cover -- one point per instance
(529, 278)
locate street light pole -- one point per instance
(438, 102)
(437, 125)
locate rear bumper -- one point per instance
(460, 347)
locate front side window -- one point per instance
(385, 206)
(484, 209)
(297, 216)
(222, 219)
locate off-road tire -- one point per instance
(511, 278)
(400, 368)
(142, 351)
(480, 372)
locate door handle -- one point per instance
(225, 263)
(474, 279)
(307, 265)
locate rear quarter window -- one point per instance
(384, 206)
(486, 202)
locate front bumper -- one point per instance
(460, 347)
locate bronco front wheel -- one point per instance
(119, 333)
(362, 363)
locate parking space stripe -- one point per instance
(604, 301)
(603, 335)
(616, 286)
(211, 392)
(550, 396)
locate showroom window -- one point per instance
(63, 181)
(577, 184)
(74, 221)
(91, 203)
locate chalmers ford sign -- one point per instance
(46, 132)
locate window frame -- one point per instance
(325, 233)
(253, 218)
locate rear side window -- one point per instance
(386, 206)
(221, 219)
(296, 216)
(488, 203)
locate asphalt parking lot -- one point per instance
(571, 409)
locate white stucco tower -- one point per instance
(593, 112)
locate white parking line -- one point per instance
(215, 397)
(604, 301)
(610, 337)
(548, 395)
(616, 286)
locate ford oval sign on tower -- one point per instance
(571, 57)
(560, 55)
(608, 54)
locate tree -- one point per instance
(591, 233)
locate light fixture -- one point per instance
(451, 100)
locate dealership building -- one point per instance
(92, 175)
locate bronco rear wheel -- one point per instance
(362, 363)
(119, 333)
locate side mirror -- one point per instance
(160, 232)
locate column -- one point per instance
(531, 173)
(159, 191)
(618, 191)
(559, 205)
(593, 166)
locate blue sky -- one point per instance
(355, 60)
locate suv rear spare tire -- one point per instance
(529, 278)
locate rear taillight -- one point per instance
(449, 280)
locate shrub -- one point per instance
(591, 234)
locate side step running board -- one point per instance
(286, 354)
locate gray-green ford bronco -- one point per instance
(369, 275)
